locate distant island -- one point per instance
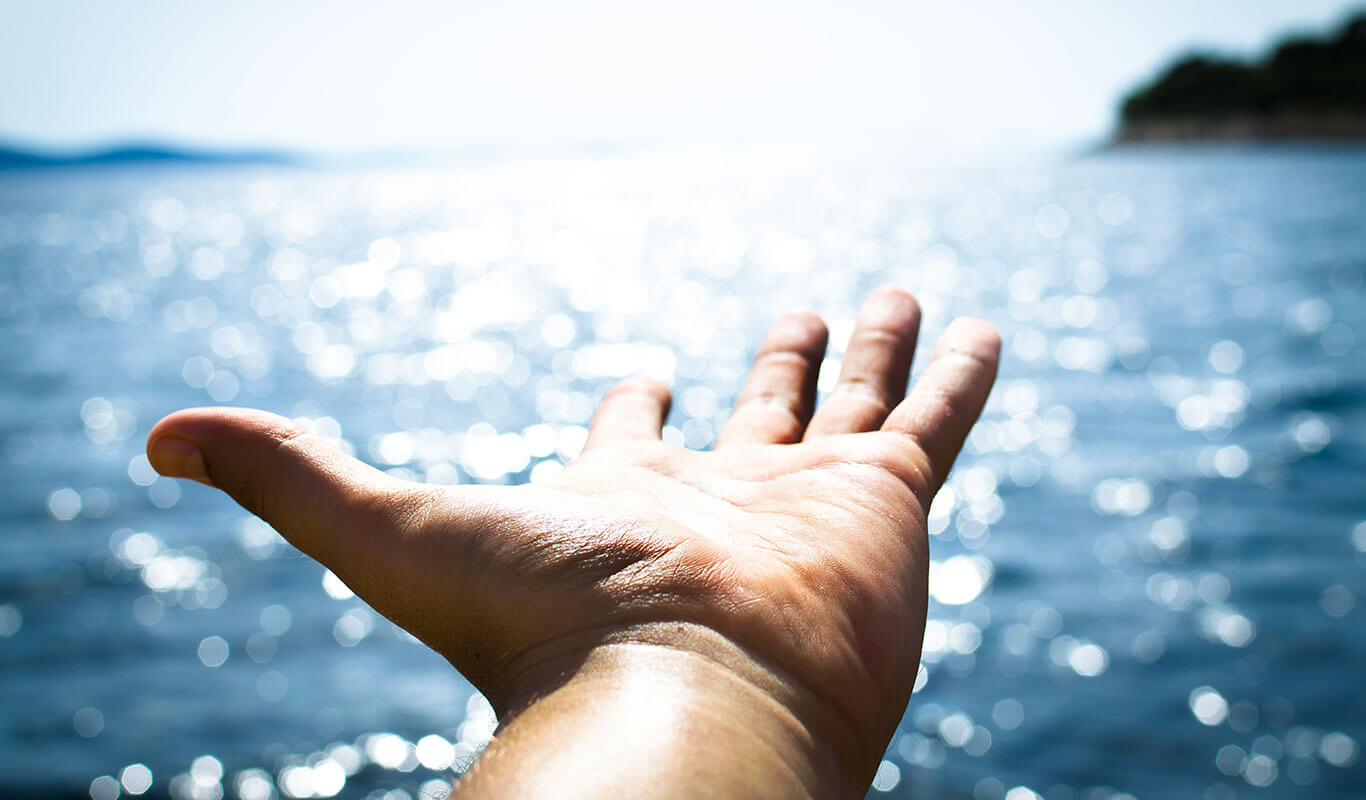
(19, 158)
(1306, 89)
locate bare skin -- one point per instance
(659, 622)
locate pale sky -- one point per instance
(365, 75)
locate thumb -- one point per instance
(323, 501)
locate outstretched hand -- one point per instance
(776, 583)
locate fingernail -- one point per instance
(178, 458)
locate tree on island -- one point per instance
(1306, 88)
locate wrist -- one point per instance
(681, 707)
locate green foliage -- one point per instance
(1301, 76)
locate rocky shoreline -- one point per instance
(1327, 128)
(1310, 89)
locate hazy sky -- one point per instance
(343, 75)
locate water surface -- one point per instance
(1148, 561)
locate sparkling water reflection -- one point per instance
(1146, 565)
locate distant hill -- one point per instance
(17, 158)
(1305, 89)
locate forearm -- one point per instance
(654, 719)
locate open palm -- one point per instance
(799, 538)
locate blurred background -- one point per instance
(438, 233)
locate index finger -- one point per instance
(947, 399)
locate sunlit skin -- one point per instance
(655, 621)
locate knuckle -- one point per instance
(782, 359)
(882, 336)
(771, 401)
(907, 459)
(867, 392)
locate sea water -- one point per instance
(1148, 561)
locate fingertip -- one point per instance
(311, 492)
(169, 424)
(971, 336)
(644, 384)
(875, 365)
(178, 443)
(174, 457)
(197, 424)
(778, 396)
(893, 311)
(802, 330)
(893, 301)
(633, 409)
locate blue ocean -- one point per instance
(1148, 569)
